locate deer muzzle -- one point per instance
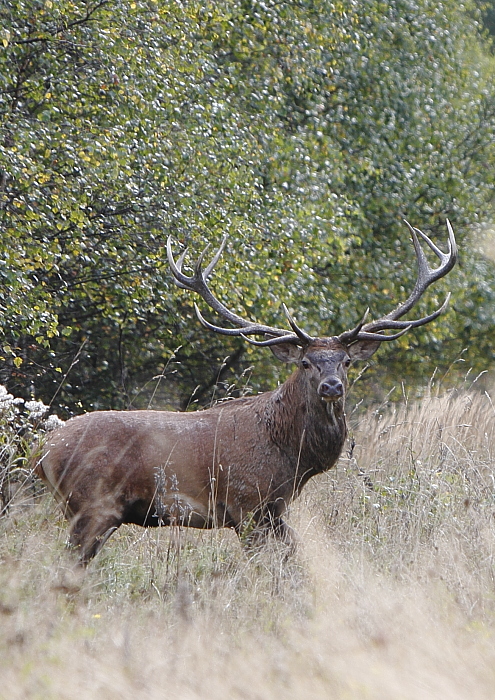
(331, 389)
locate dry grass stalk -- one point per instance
(391, 596)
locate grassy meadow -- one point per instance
(391, 594)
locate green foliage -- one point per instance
(304, 130)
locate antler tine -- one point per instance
(289, 338)
(197, 283)
(426, 276)
(212, 327)
(364, 335)
(198, 268)
(216, 257)
(450, 257)
(302, 335)
(179, 268)
(180, 279)
(254, 328)
(349, 336)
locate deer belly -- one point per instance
(171, 509)
(180, 509)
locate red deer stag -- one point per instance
(241, 460)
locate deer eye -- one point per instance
(347, 362)
(305, 364)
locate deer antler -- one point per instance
(197, 283)
(372, 331)
(426, 276)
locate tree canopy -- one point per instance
(306, 131)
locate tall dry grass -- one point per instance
(392, 594)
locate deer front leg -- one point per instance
(264, 524)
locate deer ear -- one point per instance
(287, 352)
(363, 349)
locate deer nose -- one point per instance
(331, 389)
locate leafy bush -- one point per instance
(305, 131)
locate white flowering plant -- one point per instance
(23, 425)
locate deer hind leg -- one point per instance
(90, 531)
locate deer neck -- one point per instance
(311, 430)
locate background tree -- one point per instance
(304, 130)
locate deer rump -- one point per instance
(242, 460)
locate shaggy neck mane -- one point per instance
(310, 430)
